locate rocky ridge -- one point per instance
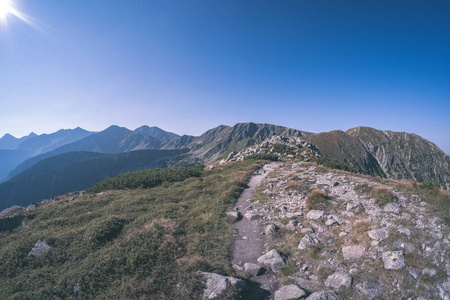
(325, 233)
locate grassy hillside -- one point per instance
(127, 244)
(76, 171)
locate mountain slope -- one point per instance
(9, 142)
(156, 132)
(114, 139)
(405, 155)
(48, 142)
(397, 155)
(347, 149)
(76, 171)
(18, 150)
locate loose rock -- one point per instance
(272, 259)
(216, 284)
(289, 292)
(393, 260)
(338, 279)
(353, 252)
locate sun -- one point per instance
(5, 8)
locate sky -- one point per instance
(188, 66)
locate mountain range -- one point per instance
(373, 152)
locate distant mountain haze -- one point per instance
(77, 171)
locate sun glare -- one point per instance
(5, 8)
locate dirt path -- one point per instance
(251, 242)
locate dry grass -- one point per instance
(383, 196)
(316, 200)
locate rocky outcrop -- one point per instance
(273, 259)
(216, 284)
(40, 248)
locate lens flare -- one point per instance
(7, 9)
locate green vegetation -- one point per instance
(146, 179)
(127, 244)
(263, 156)
(335, 164)
(383, 196)
(289, 269)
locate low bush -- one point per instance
(335, 164)
(316, 200)
(146, 179)
(383, 196)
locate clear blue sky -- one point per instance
(187, 66)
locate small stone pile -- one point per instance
(290, 147)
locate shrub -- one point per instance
(383, 196)
(146, 179)
(363, 188)
(335, 164)
(316, 200)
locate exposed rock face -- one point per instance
(289, 292)
(405, 155)
(272, 259)
(216, 284)
(397, 155)
(9, 223)
(39, 249)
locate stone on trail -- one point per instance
(338, 279)
(315, 214)
(289, 292)
(216, 284)
(353, 252)
(393, 260)
(326, 295)
(378, 234)
(253, 269)
(307, 241)
(368, 290)
(272, 259)
(270, 229)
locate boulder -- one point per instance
(235, 214)
(353, 252)
(216, 284)
(39, 249)
(289, 292)
(253, 269)
(315, 214)
(10, 223)
(338, 279)
(393, 260)
(307, 241)
(378, 234)
(272, 259)
(326, 295)
(270, 229)
(10, 210)
(368, 290)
